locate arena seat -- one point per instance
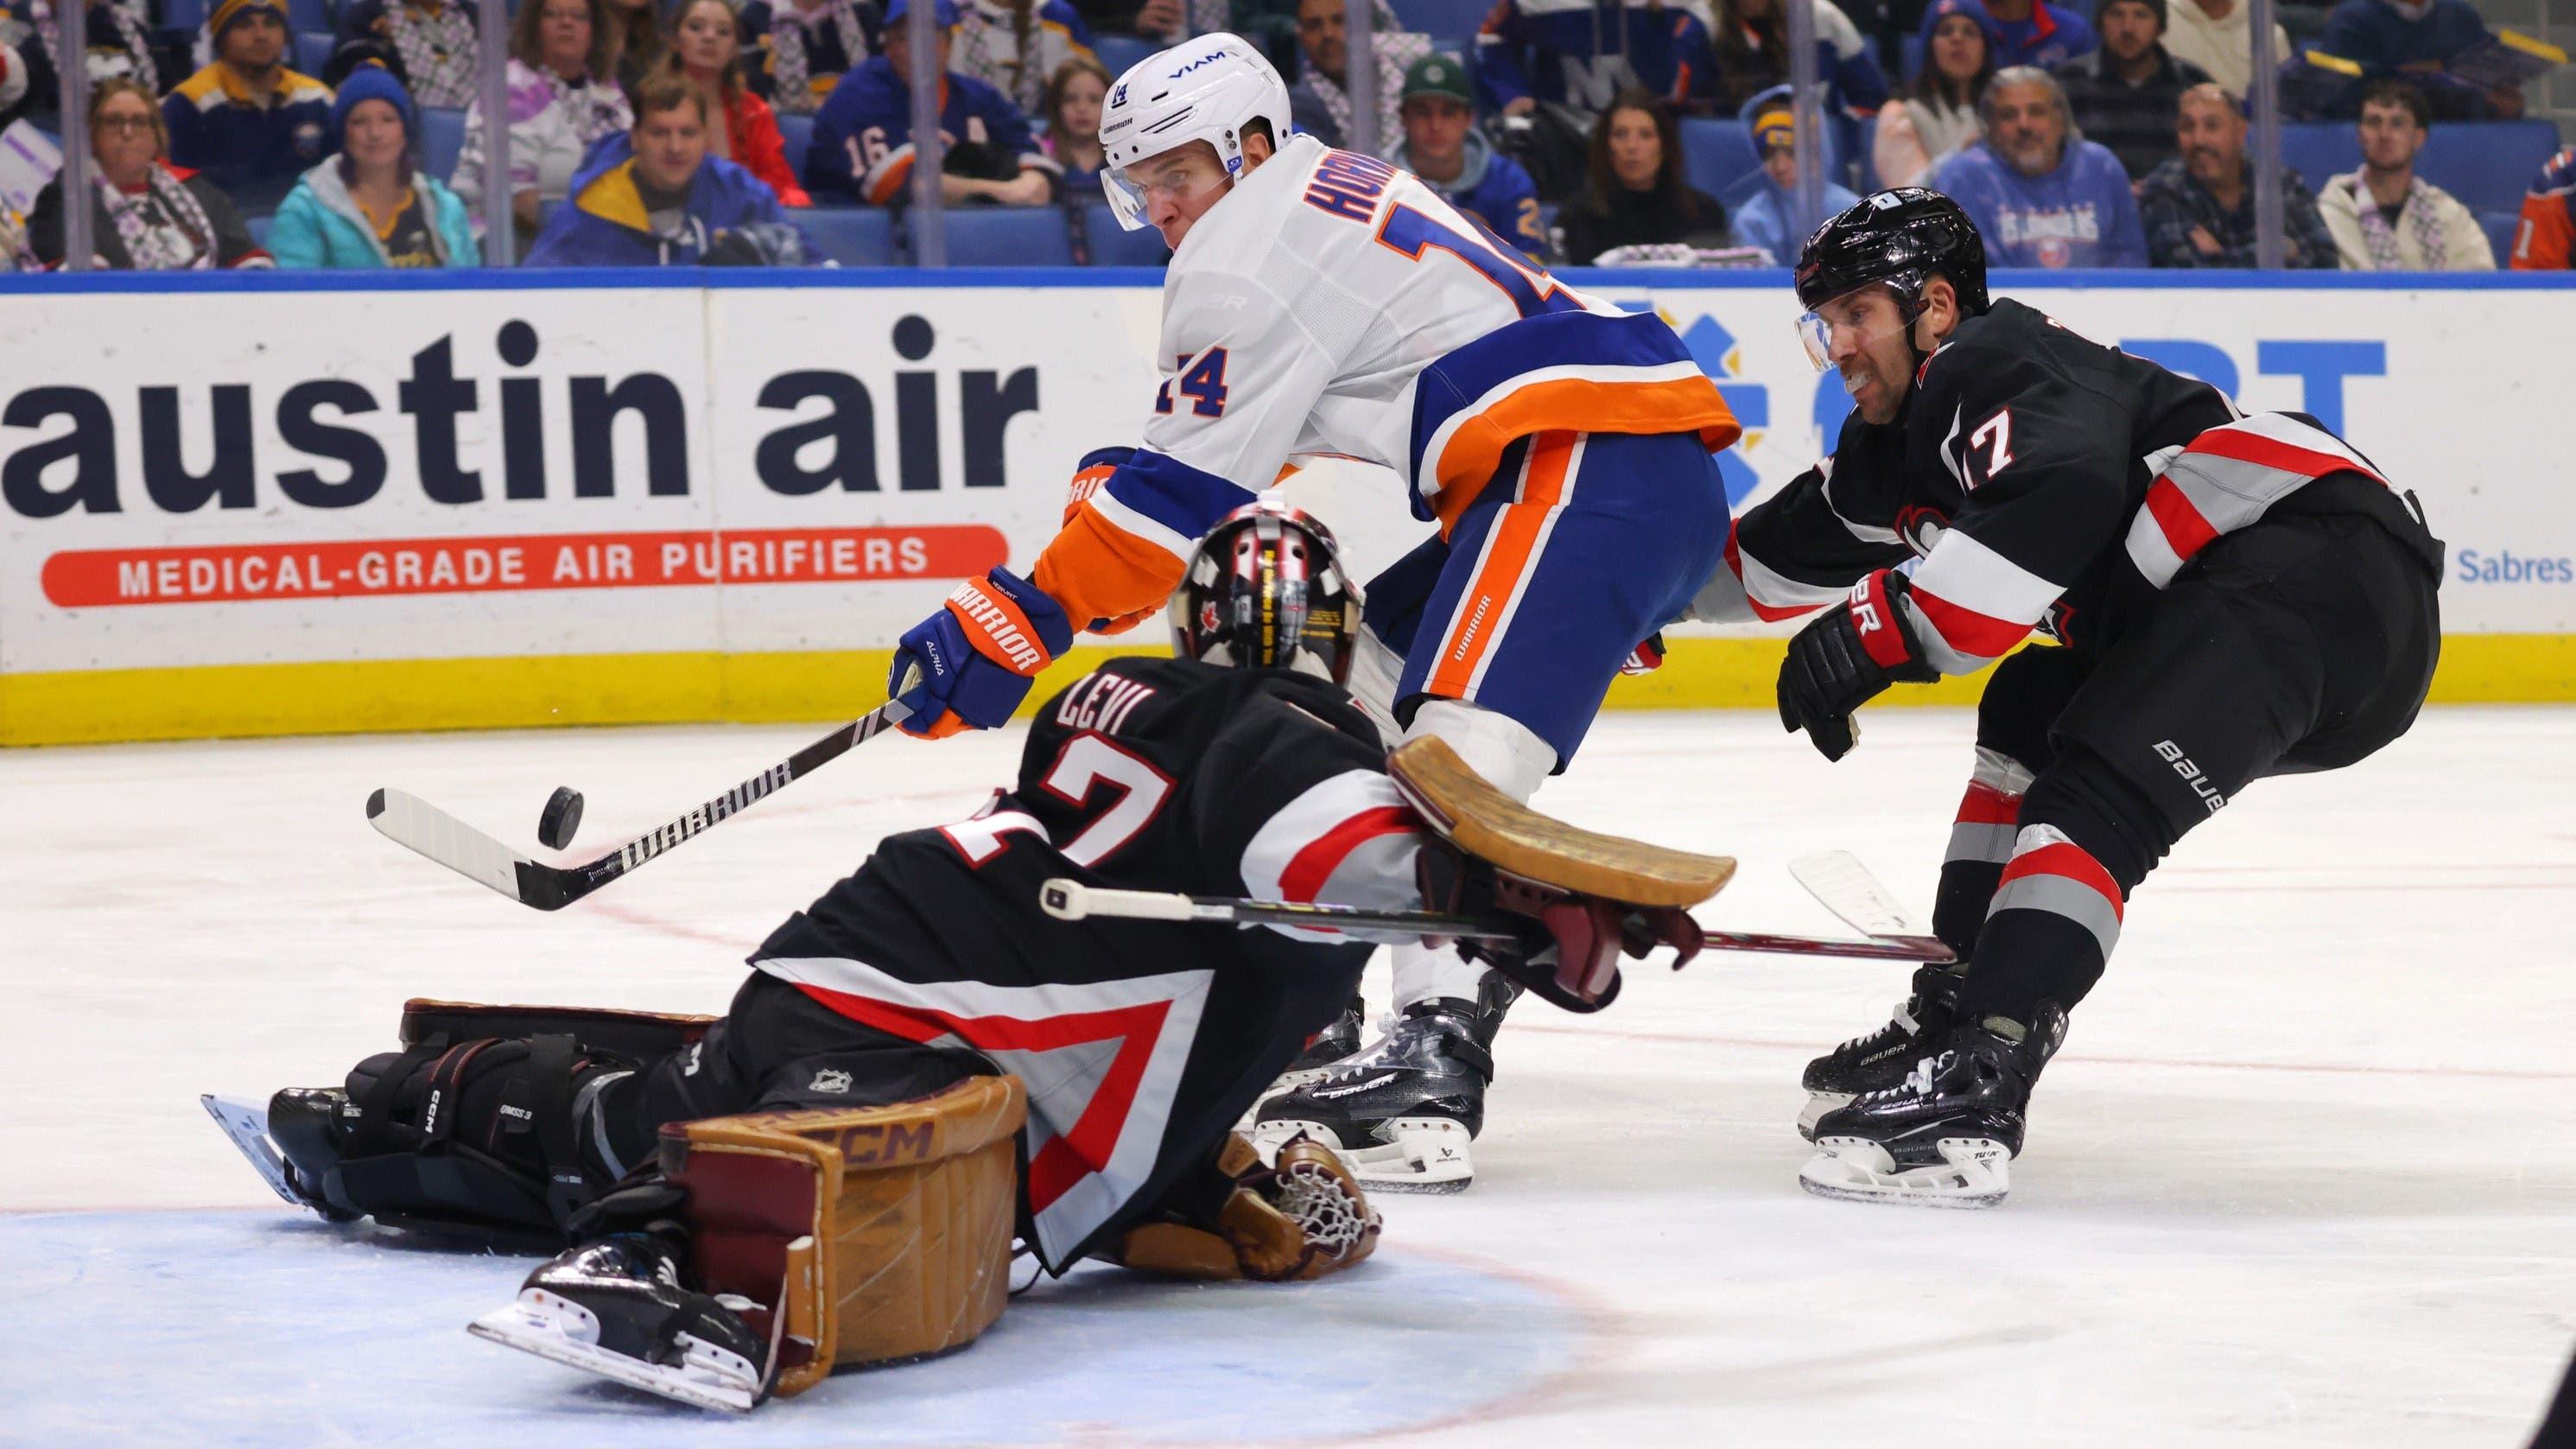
(797, 134)
(442, 136)
(1118, 52)
(1030, 236)
(183, 15)
(304, 15)
(312, 51)
(854, 236)
(1113, 246)
(1716, 154)
(1451, 24)
(257, 225)
(2502, 227)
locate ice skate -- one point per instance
(1880, 1059)
(1401, 1113)
(615, 1308)
(1943, 1136)
(1335, 1042)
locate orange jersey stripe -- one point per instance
(1678, 405)
(1096, 570)
(1508, 560)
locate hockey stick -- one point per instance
(1069, 900)
(418, 825)
(1844, 886)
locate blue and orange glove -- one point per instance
(976, 656)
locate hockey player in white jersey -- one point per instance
(1324, 303)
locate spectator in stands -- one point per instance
(655, 197)
(2546, 237)
(1636, 195)
(1551, 68)
(120, 44)
(2041, 195)
(1751, 48)
(2199, 206)
(2124, 94)
(2038, 33)
(2218, 36)
(1071, 110)
(1768, 218)
(563, 100)
(1319, 102)
(807, 48)
(145, 216)
(2385, 218)
(1938, 115)
(371, 205)
(1158, 22)
(863, 135)
(704, 48)
(248, 123)
(2417, 38)
(13, 82)
(1441, 145)
(1015, 45)
(435, 38)
(634, 41)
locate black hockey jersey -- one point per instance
(2044, 481)
(1139, 1042)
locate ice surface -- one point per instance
(2302, 1177)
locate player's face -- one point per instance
(1435, 128)
(2390, 138)
(2211, 137)
(669, 145)
(1861, 334)
(1958, 47)
(2028, 133)
(1178, 187)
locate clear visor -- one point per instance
(1132, 199)
(1852, 320)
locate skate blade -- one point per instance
(1818, 1104)
(246, 1124)
(1974, 1172)
(554, 1328)
(1420, 1154)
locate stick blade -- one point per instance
(424, 829)
(1844, 886)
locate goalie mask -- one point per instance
(1265, 590)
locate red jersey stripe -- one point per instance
(1315, 862)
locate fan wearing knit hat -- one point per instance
(246, 121)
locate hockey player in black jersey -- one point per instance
(2235, 596)
(923, 1065)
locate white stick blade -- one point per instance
(419, 826)
(1844, 886)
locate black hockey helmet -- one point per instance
(1900, 238)
(1265, 590)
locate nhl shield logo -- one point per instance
(830, 1079)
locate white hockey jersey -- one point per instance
(1333, 305)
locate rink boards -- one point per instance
(268, 504)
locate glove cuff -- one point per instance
(1878, 620)
(997, 627)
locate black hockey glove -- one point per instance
(1568, 945)
(1845, 658)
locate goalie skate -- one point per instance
(245, 1124)
(637, 1329)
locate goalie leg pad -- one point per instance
(878, 1232)
(1302, 1218)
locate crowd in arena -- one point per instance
(349, 133)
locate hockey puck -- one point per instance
(562, 816)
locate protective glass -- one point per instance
(1130, 200)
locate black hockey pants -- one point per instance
(2301, 643)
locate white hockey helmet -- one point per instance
(1204, 90)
